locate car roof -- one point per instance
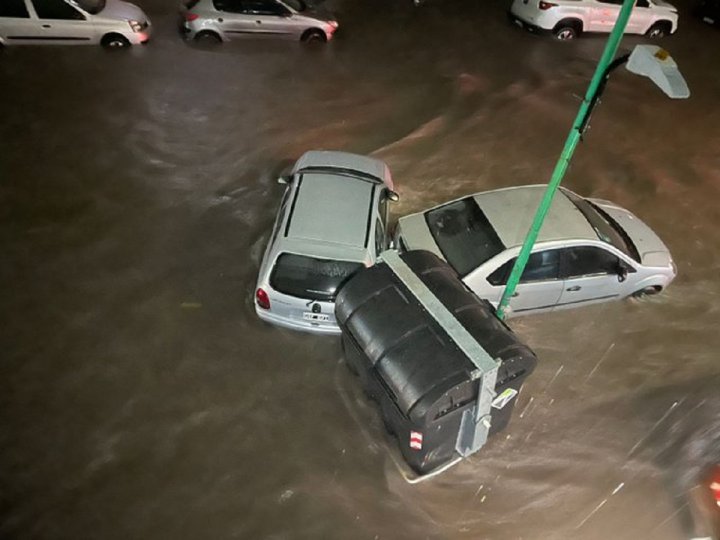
(511, 212)
(330, 217)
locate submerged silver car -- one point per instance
(332, 221)
(223, 20)
(588, 250)
(110, 23)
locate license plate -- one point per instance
(316, 317)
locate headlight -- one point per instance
(136, 26)
(333, 24)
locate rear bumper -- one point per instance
(294, 324)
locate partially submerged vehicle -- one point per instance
(443, 369)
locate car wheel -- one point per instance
(647, 291)
(565, 33)
(208, 36)
(114, 41)
(314, 36)
(659, 29)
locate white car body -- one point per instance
(23, 22)
(651, 17)
(571, 265)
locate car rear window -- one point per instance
(463, 234)
(306, 277)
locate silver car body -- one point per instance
(574, 262)
(229, 19)
(67, 22)
(332, 220)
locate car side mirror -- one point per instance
(391, 195)
(284, 179)
(622, 272)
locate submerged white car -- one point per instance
(567, 19)
(588, 250)
(111, 23)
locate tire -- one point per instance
(647, 291)
(209, 37)
(566, 30)
(114, 41)
(314, 36)
(659, 29)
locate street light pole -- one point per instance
(596, 84)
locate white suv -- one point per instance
(566, 19)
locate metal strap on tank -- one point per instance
(475, 423)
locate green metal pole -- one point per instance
(565, 156)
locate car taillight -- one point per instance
(191, 16)
(262, 299)
(715, 485)
(546, 5)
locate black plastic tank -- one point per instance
(408, 362)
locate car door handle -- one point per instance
(221, 19)
(46, 26)
(573, 289)
(259, 22)
(515, 294)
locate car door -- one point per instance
(268, 18)
(232, 19)
(59, 22)
(540, 286)
(16, 23)
(591, 275)
(603, 14)
(640, 18)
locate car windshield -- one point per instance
(306, 277)
(92, 6)
(463, 234)
(297, 5)
(604, 226)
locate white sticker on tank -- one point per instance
(504, 398)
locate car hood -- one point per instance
(317, 12)
(652, 250)
(124, 11)
(416, 235)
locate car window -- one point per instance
(92, 6)
(588, 261)
(541, 266)
(231, 6)
(280, 214)
(263, 7)
(57, 10)
(642, 3)
(297, 5)
(13, 8)
(313, 279)
(463, 234)
(616, 2)
(606, 228)
(380, 243)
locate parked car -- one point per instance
(223, 20)
(332, 221)
(709, 11)
(110, 23)
(567, 19)
(588, 250)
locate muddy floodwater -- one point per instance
(140, 396)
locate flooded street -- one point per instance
(141, 397)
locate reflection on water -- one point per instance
(141, 397)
